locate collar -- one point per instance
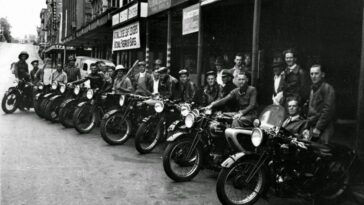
(295, 118)
(242, 91)
(293, 69)
(316, 86)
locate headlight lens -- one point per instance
(158, 107)
(62, 88)
(76, 90)
(208, 111)
(185, 110)
(54, 86)
(257, 137)
(89, 94)
(122, 100)
(189, 120)
(40, 87)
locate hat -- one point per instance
(226, 73)
(34, 61)
(183, 72)
(71, 58)
(162, 70)
(141, 63)
(23, 53)
(277, 64)
(211, 72)
(120, 67)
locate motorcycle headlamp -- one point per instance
(54, 85)
(76, 90)
(40, 87)
(122, 100)
(189, 120)
(208, 111)
(62, 88)
(256, 123)
(185, 109)
(159, 107)
(89, 94)
(257, 137)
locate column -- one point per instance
(199, 48)
(147, 44)
(169, 39)
(255, 49)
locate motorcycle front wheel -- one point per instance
(9, 103)
(115, 129)
(36, 106)
(42, 107)
(66, 114)
(84, 119)
(148, 135)
(52, 110)
(232, 188)
(177, 165)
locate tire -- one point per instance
(51, 110)
(42, 107)
(153, 138)
(122, 122)
(259, 188)
(66, 115)
(13, 98)
(89, 124)
(170, 152)
(37, 107)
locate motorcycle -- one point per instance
(19, 96)
(41, 91)
(289, 165)
(44, 99)
(117, 124)
(201, 143)
(153, 128)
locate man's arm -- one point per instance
(224, 100)
(252, 102)
(328, 109)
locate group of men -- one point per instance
(225, 89)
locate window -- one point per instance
(84, 67)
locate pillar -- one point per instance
(255, 43)
(199, 48)
(169, 39)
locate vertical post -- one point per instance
(255, 49)
(199, 47)
(359, 144)
(64, 55)
(147, 44)
(169, 39)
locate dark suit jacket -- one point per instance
(148, 83)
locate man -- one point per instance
(186, 88)
(226, 89)
(211, 91)
(143, 82)
(238, 68)
(21, 70)
(278, 84)
(219, 63)
(59, 75)
(247, 64)
(156, 78)
(157, 64)
(295, 124)
(321, 109)
(166, 83)
(122, 83)
(72, 72)
(96, 79)
(246, 97)
(295, 80)
(101, 66)
(34, 78)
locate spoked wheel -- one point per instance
(84, 119)
(148, 135)
(115, 129)
(233, 188)
(66, 115)
(338, 184)
(177, 165)
(9, 103)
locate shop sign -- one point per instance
(176, 2)
(133, 11)
(115, 19)
(127, 14)
(191, 16)
(123, 16)
(126, 38)
(155, 6)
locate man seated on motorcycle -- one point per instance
(59, 75)
(143, 81)
(211, 92)
(166, 83)
(246, 97)
(96, 79)
(225, 89)
(295, 124)
(186, 89)
(21, 70)
(122, 83)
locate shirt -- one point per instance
(59, 77)
(73, 73)
(219, 78)
(119, 83)
(277, 80)
(155, 86)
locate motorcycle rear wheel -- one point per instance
(176, 153)
(148, 136)
(111, 126)
(12, 97)
(241, 169)
(80, 115)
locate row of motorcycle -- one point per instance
(251, 161)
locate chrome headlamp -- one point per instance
(89, 94)
(40, 87)
(257, 137)
(122, 100)
(159, 107)
(76, 90)
(62, 88)
(190, 120)
(54, 85)
(185, 109)
(208, 111)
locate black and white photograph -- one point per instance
(182, 102)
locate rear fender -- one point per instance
(235, 157)
(176, 136)
(110, 113)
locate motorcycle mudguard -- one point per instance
(80, 104)
(48, 95)
(111, 112)
(235, 157)
(37, 96)
(175, 136)
(56, 97)
(66, 102)
(12, 89)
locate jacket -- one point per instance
(210, 94)
(21, 70)
(166, 87)
(186, 92)
(224, 91)
(295, 83)
(148, 83)
(295, 125)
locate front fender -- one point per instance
(176, 136)
(80, 104)
(47, 95)
(235, 157)
(64, 104)
(56, 97)
(110, 113)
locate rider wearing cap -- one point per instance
(211, 91)
(143, 81)
(122, 83)
(226, 88)
(186, 88)
(96, 79)
(21, 70)
(34, 78)
(73, 73)
(166, 83)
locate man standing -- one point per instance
(278, 83)
(72, 72)
(21, 69)
(226, 89)
(186, 88)
(296, 83)
(219, 63)
(246, 97)
(166, 83)
(156, 78)
(122, 83)
(143, 82)
(238, 68)
(59, 75)
(321, 109)
(34, 71)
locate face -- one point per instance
(102, 67)
(242, 80)
(162, 75)
(120, 73)
(59, 67)
(94, 69)
(247, 60)
(23, 57)
(218, 67)
(225, 79)
(292, 107)
(238, 60)
(277, 70)
(183, 78)
(72, 63)
(290, 59)
(110, 71)
(156, 75)
(316, 74)
(211, 79)
(35, 65)
(142, 68)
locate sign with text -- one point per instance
(126, 38)
(155, 6)
(191, 17)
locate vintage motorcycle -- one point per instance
(19, 96)
(289, 165)
(201, 143)
(41, 91)
(44, 99)
(117, 124)
(153, 129)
